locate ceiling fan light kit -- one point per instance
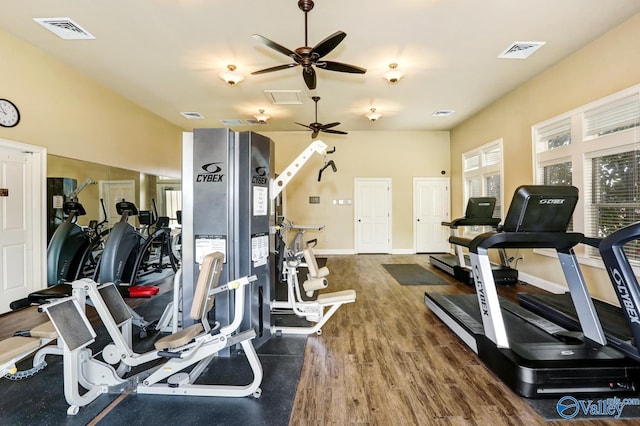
(373, 115)
(231, 76)
(309, 57)
(394, 74)
(262, 117)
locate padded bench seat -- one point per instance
(180, 338)
(344, 296)
(44, 331)
(17, 345)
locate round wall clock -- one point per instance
(9, 113)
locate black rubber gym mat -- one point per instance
(412, 274)
(40, 399)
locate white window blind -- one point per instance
(554, 135)
(615, 116)
(471, 162)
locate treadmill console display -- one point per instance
(480, 207)
(541, 208)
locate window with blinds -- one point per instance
(557, 174)
(482, 177)
(615, 116)
(614, 196)
(608, 158)
(553, 135)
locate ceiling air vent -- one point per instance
(65, 28)
(521, 49)
(284, 97)
(192, 115)
(232, 122)
(443, 112)
(254, 122)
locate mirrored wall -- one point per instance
(95, 181)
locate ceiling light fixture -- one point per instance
(231, 76)
(394, 74)
(262, 117)
(373, 115)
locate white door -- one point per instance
(170, 201)
(114, 191)
(430, 208)
(373, 215)
(22, 242)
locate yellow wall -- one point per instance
(73, 116)
(400, 156)
(605, 66)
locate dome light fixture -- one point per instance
(394, 74)
(373, 115)
(261, 116)
(231, 76)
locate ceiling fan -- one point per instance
(316, 127)
(307, 56)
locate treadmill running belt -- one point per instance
(559, 309)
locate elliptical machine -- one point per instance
(68, 248)
(126, 251)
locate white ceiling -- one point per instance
(165, 55)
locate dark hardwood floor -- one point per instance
(386, 359)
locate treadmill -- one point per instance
(622, 331)
(479, 212)
(533, 356)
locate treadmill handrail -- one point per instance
(561, 241)
(623, 279)
(473, 221)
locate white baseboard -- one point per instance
(338, 252)
(333, 252)
(543, 284)
(403, 251)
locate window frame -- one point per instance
(482, 172)
(580, 152)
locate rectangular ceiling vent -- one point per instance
(232, 122)
(284, 97)
(254, 122)
(443, 112)
(192, 115)
(65, 28)
(521, 49)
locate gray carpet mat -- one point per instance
(412, 274)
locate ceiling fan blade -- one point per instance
(304, 125)
(337, 132)
(309, 75)
(340, 67)
(327, 45)
(277, 68)
(275, 46)
(330, 125)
